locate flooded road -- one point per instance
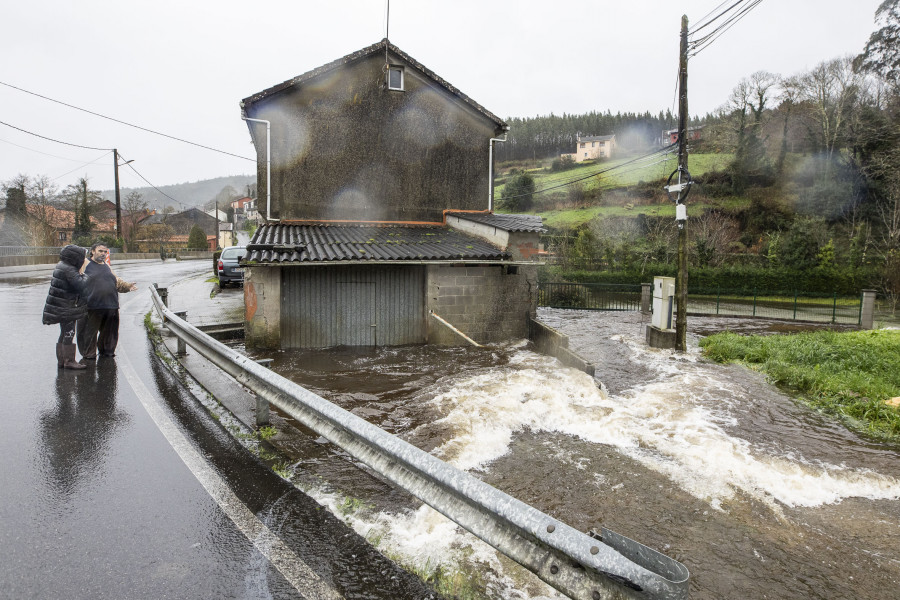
(757, 495)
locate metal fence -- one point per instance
(590, 296)
(38, 250)
(795, 306)
(604, 565)
(777, 305)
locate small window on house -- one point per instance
(62, 236)
(582, 144)
(593, 144)
(395, 78)
(602, 144)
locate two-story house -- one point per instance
(376, 198)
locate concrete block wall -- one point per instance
(262, 306)
(489, 303)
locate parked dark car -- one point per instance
(227, 267)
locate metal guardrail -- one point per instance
(582, 566)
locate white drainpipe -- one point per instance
(268, 163)
(491, 169)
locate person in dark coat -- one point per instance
(67, 302)
(98, 330)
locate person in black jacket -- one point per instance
(98, 330)
(66, 302)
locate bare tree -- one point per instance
(829, 92)
(134, 208)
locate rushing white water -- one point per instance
(663, 424)
(682, 418)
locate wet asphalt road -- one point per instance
(115, 483)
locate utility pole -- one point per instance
(118, 199)
(681, 279)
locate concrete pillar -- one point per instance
(867, 310)
(645, 297)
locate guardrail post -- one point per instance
(262, 406)
(795, 304)
(718, 296)
(834, 308)
(645, 297)
(182, 346)
(163, 295)
(754, 302)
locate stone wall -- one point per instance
(488, 303)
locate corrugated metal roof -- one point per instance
(286, 243)
(377, 47)
(511, 223)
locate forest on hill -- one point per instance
(797, 182)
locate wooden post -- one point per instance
(682, 275)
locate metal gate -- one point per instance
(351, 305)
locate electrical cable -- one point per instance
(51, 139)
(128, 164)
(104, 155)
(172, 137)
(78, 160)
(698, 23)
(698, 27)
(607, 170)
(697, 45)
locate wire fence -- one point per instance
(795, 306)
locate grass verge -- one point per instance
(847, 375)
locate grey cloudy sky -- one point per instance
(181, 66)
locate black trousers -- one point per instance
(98, 332)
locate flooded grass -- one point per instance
(848, 375)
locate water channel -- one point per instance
(759, 496)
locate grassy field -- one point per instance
(557, 210)
(846, 375)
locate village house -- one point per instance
(593, 147)
(379, 228)
(670, 136)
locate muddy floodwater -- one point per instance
(757, 495)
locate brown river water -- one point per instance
(757, 495)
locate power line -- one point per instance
(602, 171)
(698, 45)
(172, 137)
(182, 204)
(39, 152)
(104, 155)
(51, 139)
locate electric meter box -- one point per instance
(663, 303)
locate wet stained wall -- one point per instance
(344, 147)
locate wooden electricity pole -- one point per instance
(681, 279)
(118, 200)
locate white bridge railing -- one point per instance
(582, 566)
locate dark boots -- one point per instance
(65, 357)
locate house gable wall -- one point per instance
(346, 148)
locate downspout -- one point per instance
(268, 163)
(491, 168)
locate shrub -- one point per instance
(518, 194)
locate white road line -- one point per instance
(294, 569)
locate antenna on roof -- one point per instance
(387, 28)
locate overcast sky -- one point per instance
(182, 67)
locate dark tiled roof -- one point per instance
(281, 242)
(596, 138)
(511, 223)
(378, 47)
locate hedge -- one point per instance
(844, 282)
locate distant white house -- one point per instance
(223, 216)
(594, 147)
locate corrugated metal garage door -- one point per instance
(353, 306)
